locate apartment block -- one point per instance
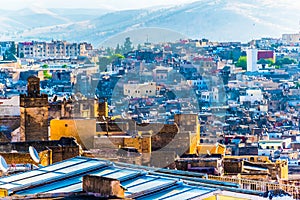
(53, 49)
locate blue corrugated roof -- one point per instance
(67, 176)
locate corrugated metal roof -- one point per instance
(76, 167)
(66, 176)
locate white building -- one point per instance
(206, 96)
(268, 147)
(53, 49)
(10, 107)
(291, 38)
(139, 90)
(252, 60)
(252, 95)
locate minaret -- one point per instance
(34, 112)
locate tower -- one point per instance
(33, 112)
(252, 60)
(102, 108)
(189, 131)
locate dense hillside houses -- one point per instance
(228, 110)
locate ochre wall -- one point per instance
(24, 158)
(83, 130)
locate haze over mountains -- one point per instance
(221, 20)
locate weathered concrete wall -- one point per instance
(24, 158)
(164, 136)
(233, 166)
(142, 144)
(59, 150)
(162, 158)
(64, 153)
(34, 124)
(104, 187)
(11, 123)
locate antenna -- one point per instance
(3, 165)
(34, 154)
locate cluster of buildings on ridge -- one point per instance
(193, 105)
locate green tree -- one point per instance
(120, 56)
(47, 75)
(118, 49)
(127, 45)
(103, 62)
(242, 62)
(45, 66)
(116, 59)
(285, 61)
(21, 55)
(265, 62)
(109, 51)
(139, 47)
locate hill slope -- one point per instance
(222, 20)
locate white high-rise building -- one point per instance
(252, 60)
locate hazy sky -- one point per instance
(111, 4)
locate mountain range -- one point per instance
(217, 20)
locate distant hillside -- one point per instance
(222, 20)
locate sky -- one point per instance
(107, 4)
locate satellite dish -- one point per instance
(3, 165)
(34, 154)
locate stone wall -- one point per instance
(34, 124)
(24, 158)
(10, 123)
(142, 144)
(103, 187)
(59, 150)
